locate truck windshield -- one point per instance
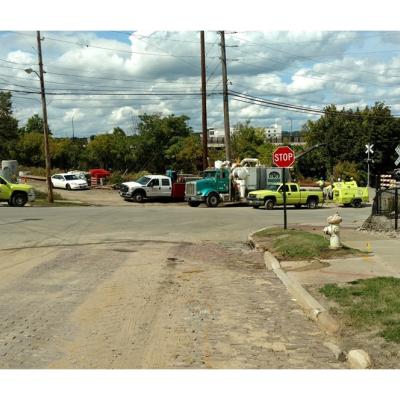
(208, 174)
(272, 187)
(144, 180)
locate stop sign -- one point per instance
(283, 157)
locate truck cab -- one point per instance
(213, 188)
(16, 194)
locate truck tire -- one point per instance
(138, 196)
(212, 200)
(312, 203)
(356, 203)
(193, 203)
(19, 199)
(269, 204)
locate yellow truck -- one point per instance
(295, 195)
(348, 193)
(16, 194)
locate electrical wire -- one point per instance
(297, 108)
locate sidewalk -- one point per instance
(384, 260)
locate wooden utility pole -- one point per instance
(225, 99)
(203, 101)
(46, 127)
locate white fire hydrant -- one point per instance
(333, 230)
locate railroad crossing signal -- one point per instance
(397, 162)
(369, 149)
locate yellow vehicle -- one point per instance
(348, 194)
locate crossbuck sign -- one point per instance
(397, 162)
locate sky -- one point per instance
(98, 80)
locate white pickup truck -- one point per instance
(154, 187)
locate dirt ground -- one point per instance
(97, 197)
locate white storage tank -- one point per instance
(9, 168)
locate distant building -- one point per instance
(216, 137)
(274, 132)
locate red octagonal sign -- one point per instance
(283, 157)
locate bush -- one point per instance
(345, 170)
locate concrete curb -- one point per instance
(359, 359)
(312, 308)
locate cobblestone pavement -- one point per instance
(151, 305)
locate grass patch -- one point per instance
(369, 303)
(298, 244)
(41, 200)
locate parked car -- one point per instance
(68, 181)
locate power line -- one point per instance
(297, 108)
(312, 58)
(315, 40)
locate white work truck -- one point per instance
(156, 187)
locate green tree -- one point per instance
(345, 170)
(156, 134)
(185, 154)
(246, 141)
(66, 153)
(34, 124)
(114, 151)
(8, 126)
(346, 132)
(30, 149)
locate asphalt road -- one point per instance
(149, 287)
(34, 226)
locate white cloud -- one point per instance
(311, 68)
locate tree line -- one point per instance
(168, 142)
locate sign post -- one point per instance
(283, 157)
(369, 151)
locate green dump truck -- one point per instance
(16, 194)
(295, 195)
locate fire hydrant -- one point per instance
(333, 230)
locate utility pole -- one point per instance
(46, 127)
(225, 99)
(203, 101)
(73, 129)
